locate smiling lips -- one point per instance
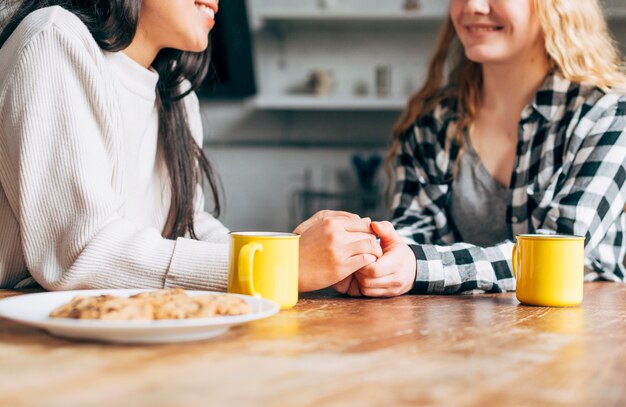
(483, 28)
(208, 8)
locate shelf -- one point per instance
(348, 18)
(316, 103)
(352, 19)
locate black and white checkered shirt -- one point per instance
(569, 178)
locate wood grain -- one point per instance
(334, 351)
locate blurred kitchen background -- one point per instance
(299, 109)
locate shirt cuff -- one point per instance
(199, 265)
(429, 276)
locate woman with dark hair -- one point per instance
(101, 165)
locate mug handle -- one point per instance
(246, 265)
(514, 260)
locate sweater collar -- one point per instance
(133, 76)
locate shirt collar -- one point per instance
(550, 101)
(551, 98)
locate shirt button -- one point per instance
(515, 219)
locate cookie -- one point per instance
(105, 307)
(152, 305)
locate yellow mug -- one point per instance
(549, 269)
(265, 264)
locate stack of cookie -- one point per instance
(154, 305)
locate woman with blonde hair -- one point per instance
(526, 134)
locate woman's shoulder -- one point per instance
(48, 39)
(594, 108)
(561, 100)
(64, 27)
(581, 116)
(432, 127)
(602, 119)
(600, 103)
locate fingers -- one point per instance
(386, 286)
(359, 261)
(387, 233)
(378, 292)
(304, 226)
(348, 286)
(387, 281)
(367, 245)
(391, 275)
(354, 290)
(381, 228)
(346, 239)
(356, 225)
(375, 270)
(343, 286)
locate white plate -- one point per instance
(33, 309)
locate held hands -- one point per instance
(391, 275)
(333, 245)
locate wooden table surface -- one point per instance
(466, 350)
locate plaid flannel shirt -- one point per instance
(569, 178)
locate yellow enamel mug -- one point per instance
(265, 264)
(549, 269)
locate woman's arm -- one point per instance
(435, 269)
(59, 149)
(588, 201)
(419, 202)
(439, 264)
(420, 218)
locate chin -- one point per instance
(482, 57)
(479, 59)
(199, 45)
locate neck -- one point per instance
(513, 85)
(141, 50)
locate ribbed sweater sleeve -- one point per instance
(58, 166)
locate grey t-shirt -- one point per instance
(477, 203)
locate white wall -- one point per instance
(260, 182)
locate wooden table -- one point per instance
(332, 351)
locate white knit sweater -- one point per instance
(78, 209)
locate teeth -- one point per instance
(206, 10)
(482, 29)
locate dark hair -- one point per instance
(113, 24)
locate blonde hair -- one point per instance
(578, 46)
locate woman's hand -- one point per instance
(348, 286)
(333, 245)
(392, 274)
(306, 225)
